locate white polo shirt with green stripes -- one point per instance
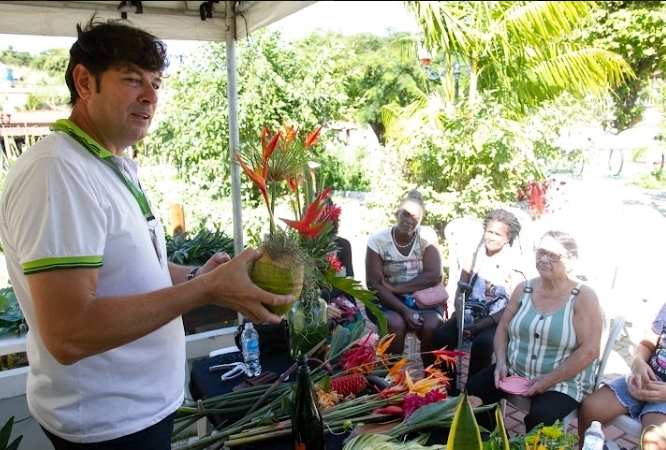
(62, 207)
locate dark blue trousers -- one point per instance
(156, 437)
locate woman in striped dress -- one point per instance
(550, 333)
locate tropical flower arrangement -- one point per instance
(299, 257)
(380, 400)
(358, 386)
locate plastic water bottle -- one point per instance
(250, 345)
(468, 319)
(594, 437)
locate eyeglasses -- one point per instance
(552, 257)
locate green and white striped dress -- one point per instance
(539, 342)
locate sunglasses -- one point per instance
(552, 257)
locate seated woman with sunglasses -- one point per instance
(550, 334)
(400, 260)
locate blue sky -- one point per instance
(347, 17)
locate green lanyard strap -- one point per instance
(69, 127)
(103, 154)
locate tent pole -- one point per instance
(232, 99)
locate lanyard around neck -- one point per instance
(106, 156)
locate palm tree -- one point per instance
(524, 51)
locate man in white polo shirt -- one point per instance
(86, 258)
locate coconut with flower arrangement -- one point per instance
(281, 158)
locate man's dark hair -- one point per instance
(105, 44)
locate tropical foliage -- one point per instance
(633, 29)
(516, 58)
(522, 51)
(5, 435)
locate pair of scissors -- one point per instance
(232, 370)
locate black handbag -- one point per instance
(272, 336)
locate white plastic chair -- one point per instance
(463, 235)
(628, 425)
(523, 403)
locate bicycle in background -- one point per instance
(615, 162)
(570, 160)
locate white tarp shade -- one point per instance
(164, 19)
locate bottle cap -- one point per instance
(248, 325)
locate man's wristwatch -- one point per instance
(193, 273)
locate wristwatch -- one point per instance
(193, 273)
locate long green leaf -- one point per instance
(501, 428)
(6, 433)
(465, 433)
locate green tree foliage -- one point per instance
(475, 152)
(53, 61)
(378, 75)
(12, 57)
(635, 30)
(277, 83)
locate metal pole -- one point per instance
(232, 99)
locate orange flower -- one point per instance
(312, 137)
(396, 372)
(439, 375)
(259, 171)
(447, 357)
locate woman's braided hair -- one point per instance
(506, 217)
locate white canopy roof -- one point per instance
(164, 19)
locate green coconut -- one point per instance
(280, 269)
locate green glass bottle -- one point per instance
(307, 426)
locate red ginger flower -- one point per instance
(334, 262)
(347, 385)
(413, 401)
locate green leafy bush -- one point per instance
(11, 316)
(188, 250)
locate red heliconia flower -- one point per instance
(361, 356)
(334, 262)
(311, 225)
(293, 183)
(447, 357)
(268, 147)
